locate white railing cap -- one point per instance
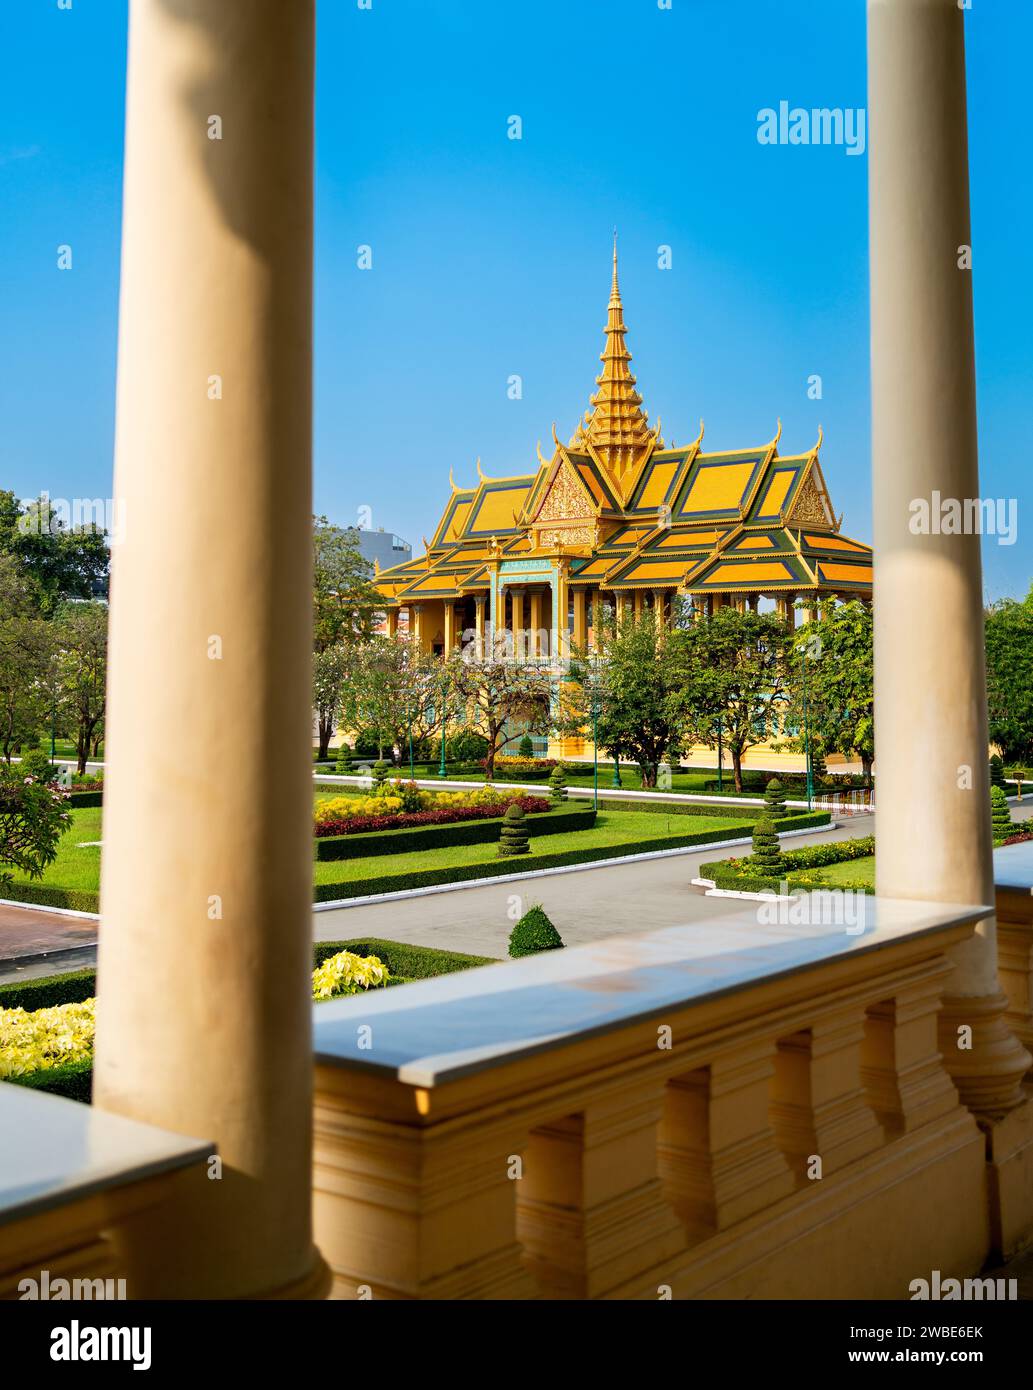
(437, 1030)
(55, 1151)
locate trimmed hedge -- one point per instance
(49, 991)
(371, 843)
(412, 962)
(427, 878)
(79, 801)
(45, 895)
(75, 1080)
(793, 820)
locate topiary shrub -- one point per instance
(525, 749)
(1000, 814)
(343, 765)
(558, 786)
(534, 932)
(774, 799)
(36, 764)
(381, 772)
(767, 854)
(997, 771)
(514, 838)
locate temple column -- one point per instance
(659, 605)
(392, 622)
(449, 626)
(640, 599)
(205, 948)
(753, 600)
(930, 686)
(580, 620)
(480, 603)
(534, 640)
(597, 618)
(418, 626)
(516, 602)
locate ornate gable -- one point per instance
(568, 514)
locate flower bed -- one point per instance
(514, 769)
(406, 806)
(45, 1038)
(437, 834)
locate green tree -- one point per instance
(345, 603)
(330, 669)
(1009, 689)
(27, 680)
(498, 693)
(33, 817)
(647, 683)
(59, 561)
(832, 672)
(739, 661)
(81, 638)
(393, 687)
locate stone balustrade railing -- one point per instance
(685, 1113)
(70, 1175)
(1013, 883)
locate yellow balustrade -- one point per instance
(694, 1110)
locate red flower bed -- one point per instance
(402, 820)
(1018, 838)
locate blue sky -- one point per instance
(491, 256)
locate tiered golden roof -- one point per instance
(616, 428)
(618, 508)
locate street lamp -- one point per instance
(444, 700)
(720, 754)
(807, 731)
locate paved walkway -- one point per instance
(587, 905)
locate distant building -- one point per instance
(383, 548)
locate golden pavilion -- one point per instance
(619, 517)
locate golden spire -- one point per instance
(617, 425)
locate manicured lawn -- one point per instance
(612, 828)
(851, 871)
(74, 867)
(79, 868)
(690, 780)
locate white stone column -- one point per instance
(930, 696)
(205, 943)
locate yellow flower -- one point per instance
(45, 1038)
(347, 973)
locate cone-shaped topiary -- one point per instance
(767, 855)
(525, 748)
(343, 764)
(1000, 814)
(997, 771)
(819, 768)
(381, 771)
(534, 932)
(557, 786)
(514, 838)
(775, 799)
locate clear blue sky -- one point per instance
(491, 256)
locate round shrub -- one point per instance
(514, 838)
(534, 932)
(767, 854)
(557, 786)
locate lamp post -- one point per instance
(720, 754)
(444, 701)
(807, 730)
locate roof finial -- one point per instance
(615, 289)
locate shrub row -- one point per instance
(427, 878)
(471, 832)
(795, 820)
(45, 895)
(81, 800)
